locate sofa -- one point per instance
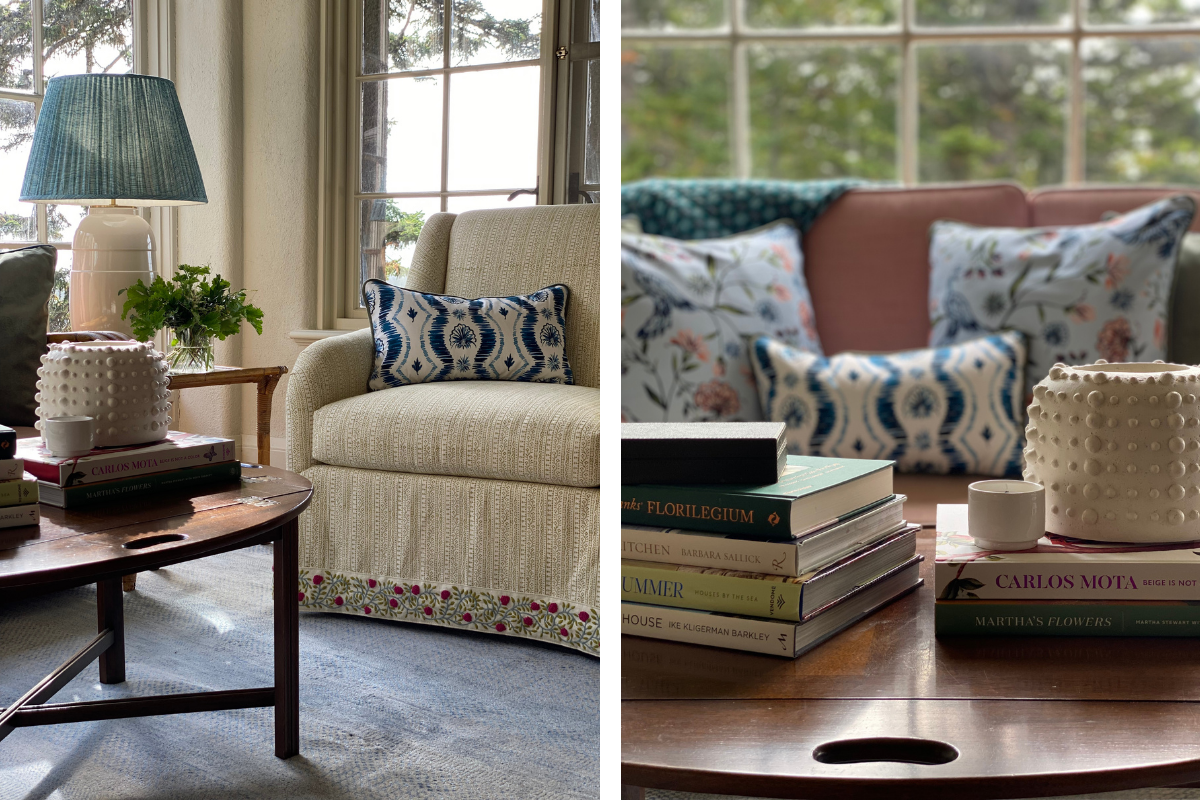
(866, 261)
(472, 505)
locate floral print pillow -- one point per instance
(1079, 293)
(422, 337)
(689, 311)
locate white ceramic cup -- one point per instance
(67, 437)
(1006, 515)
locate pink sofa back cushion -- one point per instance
(866, 259)
(1087, 204)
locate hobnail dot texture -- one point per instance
(1118, 450)
(123, 385)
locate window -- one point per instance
(494, 103)
(449, 118)
(1041, 92)
(38, 41)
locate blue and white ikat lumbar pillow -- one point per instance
(420, 338)
(949, 410)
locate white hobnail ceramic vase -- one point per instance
(1117, 447)
(122, 385)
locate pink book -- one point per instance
(177, 451)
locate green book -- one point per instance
(758, 595)
(19, 492)
(1067, 618)
(179, 479)
(814, 492)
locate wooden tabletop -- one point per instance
(1029, 716)
(126, 535)
(224, 376)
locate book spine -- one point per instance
(681, 507)
(20, 516)
(1081, 579)
(87, 494)
(1066, 619)
(773, 599)
(12, 469)
(96, 469)
(18, 493)
(681, 625)
(676, 547)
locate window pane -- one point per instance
(402, 116)
(388, 235)
(1142, 110)
(591, 127)
(400, 35)
(821, 13)
(60, 294)
(674, 111)
(16, 45)
(993, 111)
(61, 221)
(987, 12)
(1142, 12)
(18, 221)
(470, 203)
(494, 128)
(822, 112)
(492, 31)
(593, 20)
(87, 37)
(672, 14)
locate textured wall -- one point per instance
(280, 63)
(248, 78)
(208, 75)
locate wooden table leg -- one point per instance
(110, 614)
(287, 642)
(129, 582)
(632, 793)
(266, 388)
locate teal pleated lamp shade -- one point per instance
(112, 138)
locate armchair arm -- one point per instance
(327, 370)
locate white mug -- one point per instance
(67, 437)
(1006, 515)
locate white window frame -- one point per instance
(339, 152)
(907, 35)
(153, 54)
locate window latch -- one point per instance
(514, 195)
(561, 52)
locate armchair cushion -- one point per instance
(536, 432)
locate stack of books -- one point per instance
(18, 489)
(180, 461)
(776, 568)
(1063, 587)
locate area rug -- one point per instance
(1129, 794)
(386, 709)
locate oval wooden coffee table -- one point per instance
(1019, 717)
(101, 543)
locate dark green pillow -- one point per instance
(1183, 329)
(26, 278)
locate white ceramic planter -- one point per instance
(1117, 447)
(122, 385)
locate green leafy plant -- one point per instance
(190, 304)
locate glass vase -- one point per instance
(191, 351)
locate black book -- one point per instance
(746, 453)
(8, 442)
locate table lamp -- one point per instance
(111, 142)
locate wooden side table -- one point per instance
(266, 378)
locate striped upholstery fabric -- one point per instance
(539, 432)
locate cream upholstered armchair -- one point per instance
(468, 504)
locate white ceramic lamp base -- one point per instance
(113, 248)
